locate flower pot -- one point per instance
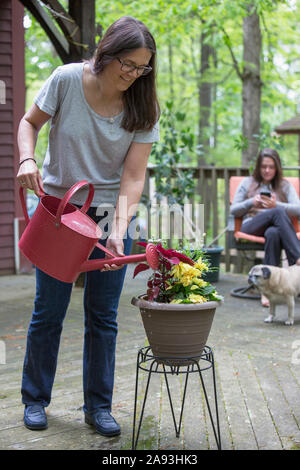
(176, 330)
(213, 255)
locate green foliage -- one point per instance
(270, 140)
(177, 26)
(266, 138)
(40, 56)
(40, 60)
(174, 148)
(241, 142)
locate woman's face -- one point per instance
(267, 169)
(121, 79)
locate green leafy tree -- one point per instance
(171, 181)
(178, 26)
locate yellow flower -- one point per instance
(199, 282)
(195, 299)
(191, 270)
(187, 280)
(201, 265)
(183, 270)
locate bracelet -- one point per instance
(25, 160)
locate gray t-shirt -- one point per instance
(241, 204)
(82, 144)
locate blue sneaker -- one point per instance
(104, 422)
(35, 417)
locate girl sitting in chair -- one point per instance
(267, 202)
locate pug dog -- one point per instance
(279, 285)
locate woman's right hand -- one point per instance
(29, 177)
(257, 201)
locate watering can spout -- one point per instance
(151, 256)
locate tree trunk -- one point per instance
(251, 84)
(214, 98)
(83, 12)
(76, 39)
(205, 99)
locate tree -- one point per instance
(207, 55)
(181, 29)
(76, 38)
(251, 96)
(251, 81)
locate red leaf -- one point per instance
(171, 255)
(149, 295)
(152, 293)
(139, 268)
(162, 250)
(181, 256)
(185, 259)
(168, 265)
(174, 260)
(155, 291)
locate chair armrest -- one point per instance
(296, 224)
(234, 223)
(238, 223)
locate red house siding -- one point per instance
(12, 106)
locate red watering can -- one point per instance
(60, 237)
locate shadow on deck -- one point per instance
(257, 367)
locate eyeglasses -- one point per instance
(141, 70)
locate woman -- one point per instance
(104, 116)
(267, 201)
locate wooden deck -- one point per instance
(257, 367)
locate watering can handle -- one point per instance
(23, 204)
(22, 192)
(70, 193)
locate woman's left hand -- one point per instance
(268, 202)
(116, 246)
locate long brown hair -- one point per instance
(141, 107)
(278, 178)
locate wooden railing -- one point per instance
(212, 191)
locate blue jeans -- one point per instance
(101, 298)
(276, 226)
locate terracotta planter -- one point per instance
(176, 330)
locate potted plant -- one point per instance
(179, 306)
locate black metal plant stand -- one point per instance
(146, 361)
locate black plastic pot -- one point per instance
(213, 255)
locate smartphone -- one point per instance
(266, 193)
